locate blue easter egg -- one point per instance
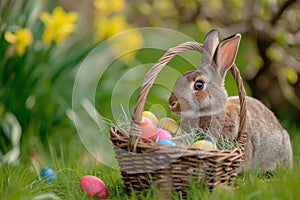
(166, 142)
(210, 139)
(48, 173)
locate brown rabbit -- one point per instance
(200, 98)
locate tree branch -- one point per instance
(283, 7)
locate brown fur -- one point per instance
(209, 109)
(201, 95)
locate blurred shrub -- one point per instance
(42, 44)
(34, 45)
(270, 29)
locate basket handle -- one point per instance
(135, 130)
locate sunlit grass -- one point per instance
(71, 161)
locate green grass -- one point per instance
(71, 161)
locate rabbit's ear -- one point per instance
(226, 52)
(211, 42)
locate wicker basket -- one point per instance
(172, 168)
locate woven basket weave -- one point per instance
(172, 168)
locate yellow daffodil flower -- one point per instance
(127, 44)
(58, 25)
(106, 7)
(109, 21)
(21, 39)
(106, 27)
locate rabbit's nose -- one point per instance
(173, 104)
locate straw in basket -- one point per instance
(172, 168)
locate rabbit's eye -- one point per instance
(199, 85)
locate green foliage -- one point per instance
(71, 161)
(36, 86)
(270, 41)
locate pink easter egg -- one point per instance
(146, 119)
(162, 134)
(93, 186)
(148, 129)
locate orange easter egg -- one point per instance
(148, 130)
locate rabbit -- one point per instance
(200, 98)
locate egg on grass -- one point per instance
(48, 174)
(93, 187)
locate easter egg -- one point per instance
(166, 142)
(93, 186)
(204, 144)
(210, 139)
(148, 129)
(162, 134)
(48, 173)
(168, 124)
(150, 116)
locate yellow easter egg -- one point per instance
(169, 124)
(204, 144)
(150, 116)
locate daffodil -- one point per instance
(106, 7)
(126, 44)
(58, 25)
(109, 21)
(106, 27)
(21, 39)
